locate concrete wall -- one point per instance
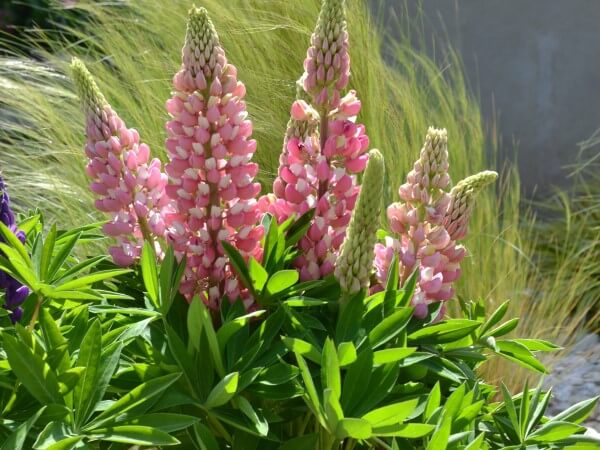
(536, 62)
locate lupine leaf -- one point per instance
(578, 412)
(17, 438)
(281, 281)
(59, 258)
(389, 327)
(47, 252)
(223, 391)
(31, 370)
(353, 428)
(134, 398)
(134, 434)
(150, 273)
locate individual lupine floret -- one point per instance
(354, 264)
(210, 170)
(295, 188)
(327, 63)
(129, 185)
(15, 293)
(456, 219)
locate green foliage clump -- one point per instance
(117, 357)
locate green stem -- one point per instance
(36, 313)
(219, 428)
(323, 130)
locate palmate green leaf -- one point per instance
(496, 317)
(477, 442)
(350, 320)
(89, 357)
(330, 369)
(13, 242)
(47, 252)
(390, 327)
(407, 291)
(211, 336)
(282, 280)
(258, 274)
(332, 408)
(391, 355)
(52, 434)
(405, 430)
(303, 302)
(346, 353)
(505, 328)
(194, 323)
(171, 273)
(150, 273)
(524, 410)
(231, 327)
(17, 438)
(510, 408)
(260, 422)
(133, 399)
(358, 376)
(77, 295)
(134, 434)
(90, 279)
(67, 243)
(68, 443)
(28, 224)
(205, 437)
(303, 348)
(433, 401)
(69, 378)
(312, 398)
(167, 422)
(554, 431)
(578, 412)
(223, 391)
(12, 264)
(520, 354)
(298, 228)
(32, 371)
(353, 428)
(444, 332)
(308, 441)
(239, 265)
(78, 268)
(536, 345)
(54, 339)
(391, 414)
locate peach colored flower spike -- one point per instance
(129, 185)
(427, 223)
(211, 176)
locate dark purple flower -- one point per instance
(14, 292)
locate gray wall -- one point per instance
(536, 63)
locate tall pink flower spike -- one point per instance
(130, 187)
(426, 225)
(211, 176)
(326, 150)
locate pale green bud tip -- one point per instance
(333, 12)
(475, 183)
(86, 87)
(353, 267)
(202, 47)
(437, 136)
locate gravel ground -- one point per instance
(576, 377)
